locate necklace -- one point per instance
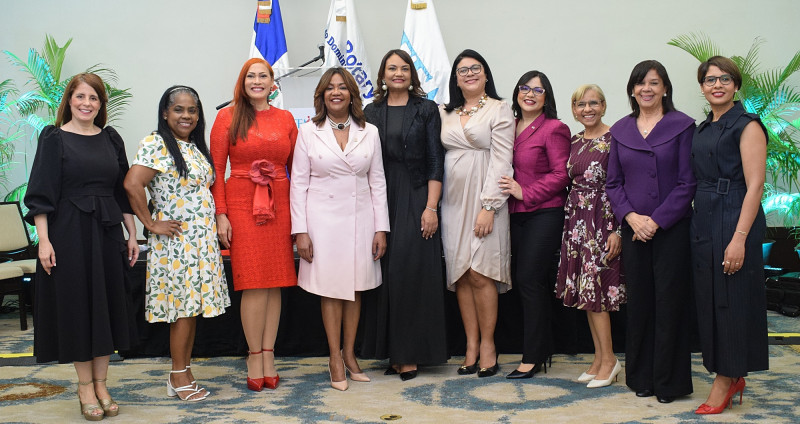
(474, 109)
(646, 127)
(339, 126)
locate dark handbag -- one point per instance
(783, 294)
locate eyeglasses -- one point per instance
(724, 79)
(593, 104)
(537, 91)
(476, 69)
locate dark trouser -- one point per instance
(535, 244)
(657, 273)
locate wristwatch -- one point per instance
(489, 208)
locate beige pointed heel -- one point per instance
(338, 385)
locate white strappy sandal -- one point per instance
(196, 394)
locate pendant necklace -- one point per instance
(339, 126)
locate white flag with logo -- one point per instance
(422, 39)
(344, 46)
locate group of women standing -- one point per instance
(369, 191)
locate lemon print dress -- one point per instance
(185, 277)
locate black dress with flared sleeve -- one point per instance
(80, 309)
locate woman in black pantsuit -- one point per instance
(650, 186)
(404, 317)
(729, 151)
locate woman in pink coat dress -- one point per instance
(339, 213)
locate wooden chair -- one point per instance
(14, 244)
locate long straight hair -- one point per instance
(64, 113)
(244, 114)
(198, 135)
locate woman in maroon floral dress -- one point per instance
(589, 275)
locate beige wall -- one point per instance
(153, 44)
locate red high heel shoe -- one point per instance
(255, 384)
(737, 387)
(271, 382)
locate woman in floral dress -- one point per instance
(185, 277)
(589, 275)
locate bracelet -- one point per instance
(432, 209)
(744, 233)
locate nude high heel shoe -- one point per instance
(338, 385)
(356, 376)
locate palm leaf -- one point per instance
(118, 100)
(36, 66)
(32, 102)
(698, 45)
(7, 88)
(38, 123)
(108, 75)
(54, 55)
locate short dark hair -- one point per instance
(64, 113)
(198, 135)
(355, 96)
(725, 65)
(637, 75)
(405, 57)
(456, 96)
(549, 98)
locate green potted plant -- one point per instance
(768, 94)
(28, 112)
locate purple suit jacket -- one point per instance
(652, 176)
(541, 152)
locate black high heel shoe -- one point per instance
(488, 372)
(408, 375)
(468, 369)
(516, 374)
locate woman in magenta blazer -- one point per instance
(537, 192)
(651, 185)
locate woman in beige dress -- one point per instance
(478, 136)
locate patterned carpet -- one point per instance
(46, 393)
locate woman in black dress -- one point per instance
(77, 201)
(729, 152)
(404, 317)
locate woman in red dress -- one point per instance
(253, 217)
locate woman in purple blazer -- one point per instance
(651, 186)
(538, 193)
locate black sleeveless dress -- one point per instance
(731, 309)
